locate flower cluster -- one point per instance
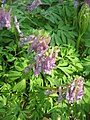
(34, 5)
(39, 44)
(5, 18)
(75, 90)
(76, 3)
(2, 1)
(44, 62)
(88, 1)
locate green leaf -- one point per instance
(13, 75)
(79, 65)
(66, 70)
(54, 115)
(48, 27)
(10, 57)
(63, 37)
(0, 67)
(57, 39)
(52, 43)
(20, 86)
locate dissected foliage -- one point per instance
(44, 60)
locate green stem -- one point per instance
(78, 41)
(84, 51)
(51, 88)
(46, 88)
(16, 38)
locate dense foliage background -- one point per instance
(24, 96)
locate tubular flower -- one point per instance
(44, 63)
(76, 3)
(49, 62)
(34, 5)
(39, 45)
(5, 19)
(23, 40)
(88, 1)
(75, 90)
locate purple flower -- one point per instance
(34, 5)
(75, 90)
(76, 3)
(2, 18)
(8, 20)
(59, 99)
(39, 65)
(49, 63)
(48, 92)
(88, 1)
(39, 44)
(34, 44)
(27, 69)
(3, 1)
(60, 1)
(5, 19)
(44, 63)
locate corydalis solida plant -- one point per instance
(44, 63)
(75, 91)
(5, 19)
